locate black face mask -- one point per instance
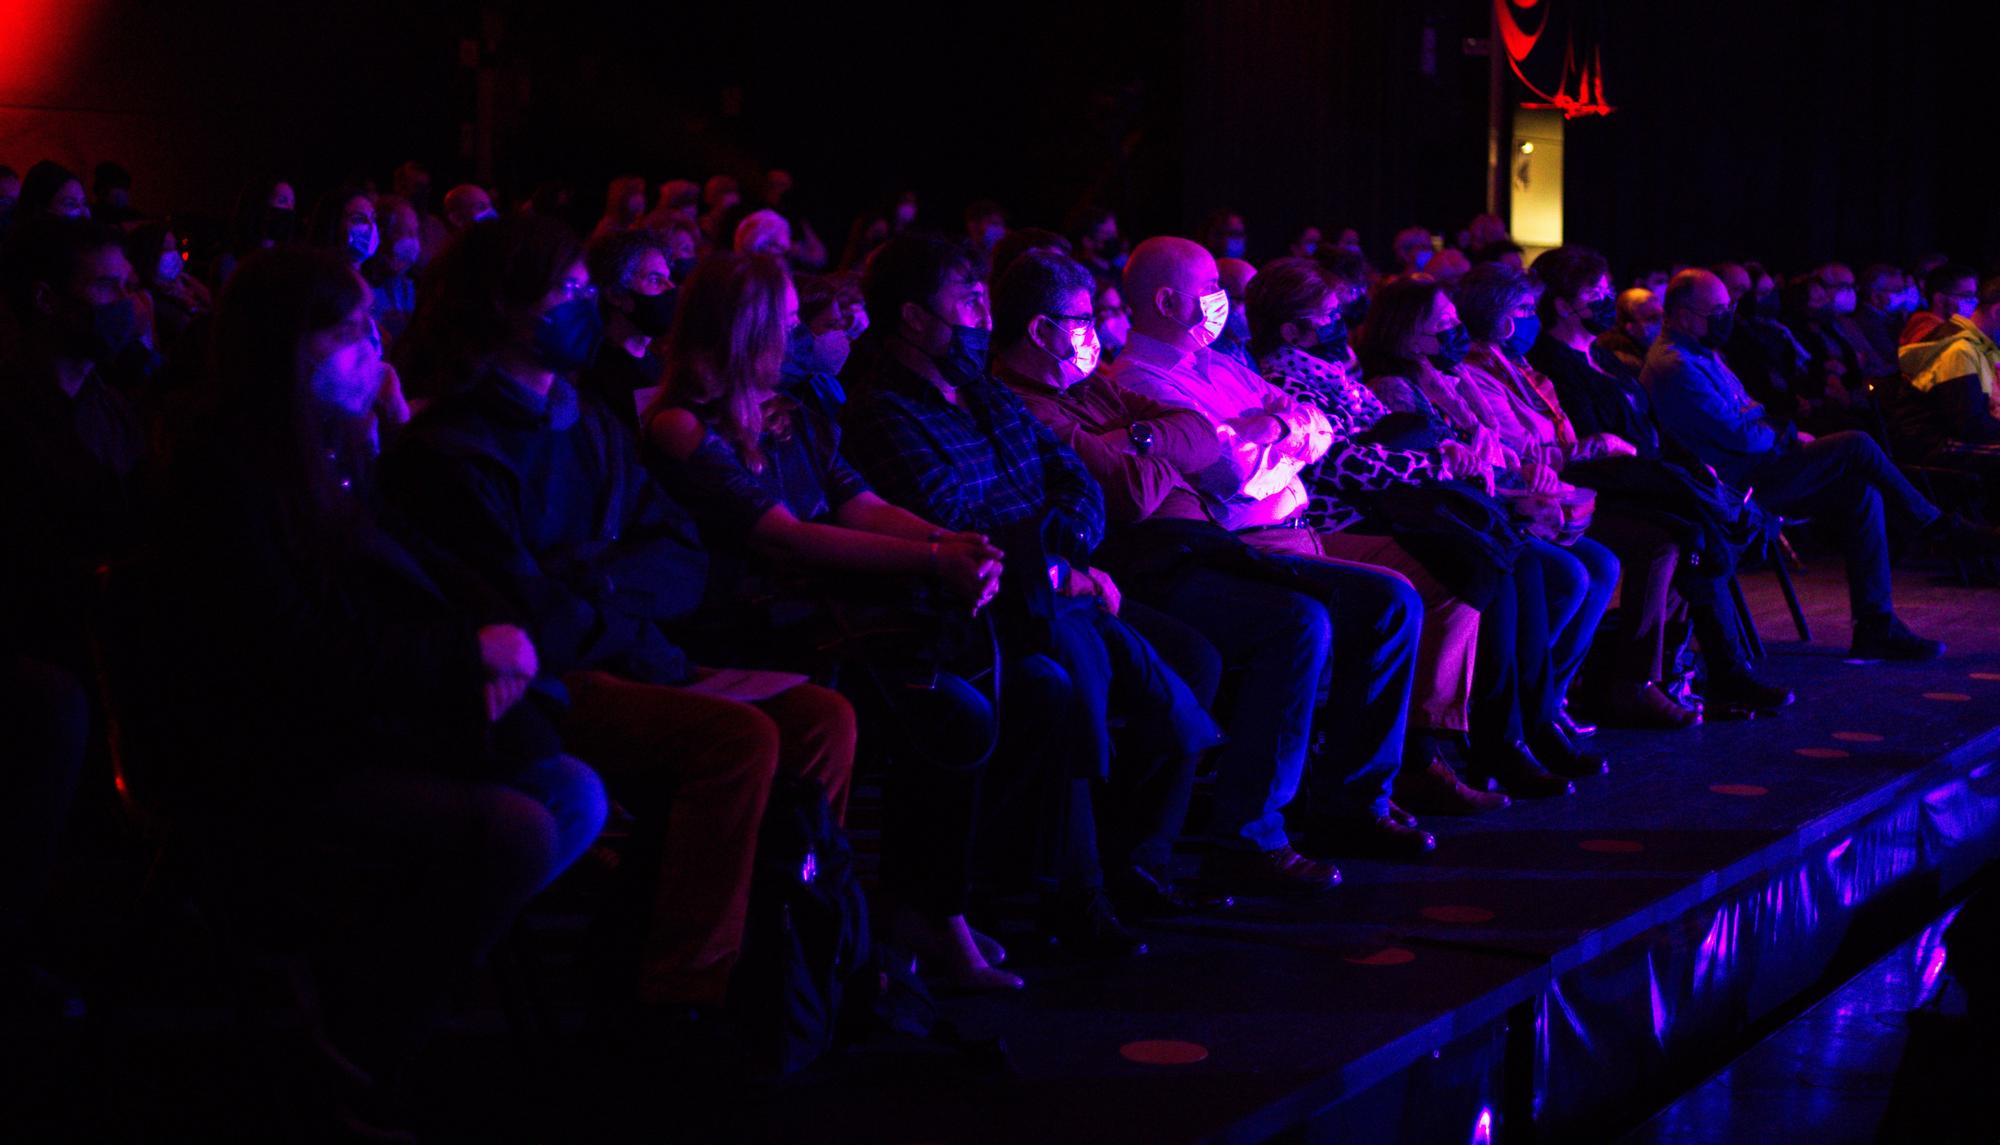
(1721, 324)
(101, 332)
(653, 314)
(1453, 345)
(1602, 315)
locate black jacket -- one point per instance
(545, 498)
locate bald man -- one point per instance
(467, 204)
(1842, 479)
(1621, 350)
(1179, 308)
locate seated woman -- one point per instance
(1658, 484)
(377, 760)
(1293, 312)
(1410, 346)
(1497, 304)
(1300, 343)
(179, 298)
(763, 474)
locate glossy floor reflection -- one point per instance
(1893, 1056)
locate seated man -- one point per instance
(1843, 478)
(1159, 465)
(1955, 404)
(933, 433)
(1378, 614)
(1950, 291)
(466, 204)
(1621, 350)
(630, 270)
(544, 497)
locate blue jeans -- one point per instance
(1579, 580)
(1846, 479)
(1279, 639)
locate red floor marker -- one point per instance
(1820, 752)
(1457, 914)
(1948, 697)
(1612, 846)
(1163, 1052)
(1746, 790)
(1985, 675)
(1387, 956)
(1857, 737)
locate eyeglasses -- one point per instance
(1092, 318)
(652, 281)
(575, 290)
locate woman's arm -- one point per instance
(970, 569)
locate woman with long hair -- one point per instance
(765, 478)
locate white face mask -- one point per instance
(1214, 316)
(1085, 351)
(170, 266)
(1843, 300)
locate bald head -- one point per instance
(1235, 275)
(1695, 298)
(1639, 305)
(1164, 281)
(464, 204)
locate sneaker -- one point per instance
(1891, 639)
(1282, 871)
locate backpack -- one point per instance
(807, 956)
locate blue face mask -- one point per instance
(1453, 345)
(568, 335)
(1232, 247)
(1602, 315)
(1332, 345)
(1526, 329)
(809, 353)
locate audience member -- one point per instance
(766, 480)
(1843, 478)
(51, 189)
(1621, 350)
(948, 443)
(545, 498)
(1955, 415)
(1950, 291)
(636, 292)
(466, 204)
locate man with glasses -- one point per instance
(1949, 290)
(1953, 413)
(1843, 479)
(637, 302)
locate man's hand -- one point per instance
(502, 695)
(1259, 428)
(1107, 592)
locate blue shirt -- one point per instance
(1704, 407)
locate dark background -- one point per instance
(1783, 129)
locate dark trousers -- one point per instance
(1055, 765)
(1649, 604)
(401, 881)
(1279, 639)
(1513, 681)
(1846, 480)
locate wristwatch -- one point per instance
(1141, 436)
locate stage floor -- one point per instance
(1292, 1007)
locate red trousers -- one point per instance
(710, 762)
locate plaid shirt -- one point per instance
(984, 465)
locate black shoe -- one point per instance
(1277, 872)
(1554, 751)
(1737, 688)
(1435, 789)
(1570, 727)
(1139, 893)
(1518, 772)
(1891, 639)
(1381, 837)
(1085, 926)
